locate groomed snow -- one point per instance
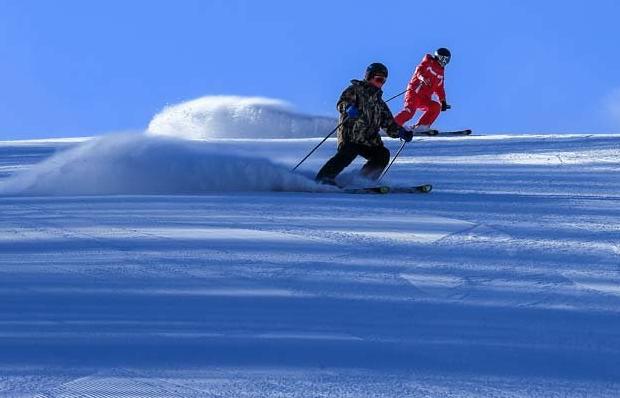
(503, 282)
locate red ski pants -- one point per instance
(431, 110)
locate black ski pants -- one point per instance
(378, 157)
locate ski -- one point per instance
(428, 133)
(433, 133)
(380, 190)
(456, 132)
(425, 188)
(383, 189)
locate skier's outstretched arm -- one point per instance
(441, 91)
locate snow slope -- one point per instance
(503, 282)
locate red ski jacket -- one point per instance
(427, 80)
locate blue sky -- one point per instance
(70, 68)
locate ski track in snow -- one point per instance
(503, 282)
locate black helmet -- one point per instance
(375, 69)
(443, 56)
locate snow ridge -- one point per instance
(237, 117)
(141, 164)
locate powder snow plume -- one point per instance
(237, 117)
(141, 164)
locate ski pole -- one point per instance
(396, 96)
(391, 163)
(401, 147)
(319, 144)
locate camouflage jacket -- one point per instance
(374, 115)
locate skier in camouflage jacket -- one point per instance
(363, 113)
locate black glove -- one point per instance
(405, 134)
(445, 106)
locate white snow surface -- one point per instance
(237, 117)
(141, 164)
(502, 282)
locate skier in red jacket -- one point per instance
(428, 79)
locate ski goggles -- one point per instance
(379, 79)
(443, 59)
